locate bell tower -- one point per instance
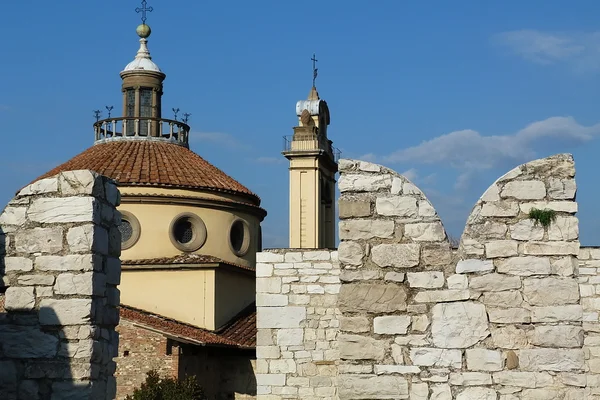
(313, 165)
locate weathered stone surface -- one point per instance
(551, 248)
(355, 324)
(494, 282)
(550, 291)
(428, 280)
(501, 248)
(484, 360)
(551, 359)
(280, 317)
(86, 284)
(364, 183)
(356, 347)
(425, 231)
(470, 378)
(81, 182)
(524, 266)
(562, 189)
(359, 275)
(441, 392)
(524, 190)
(88, 238)
(500, 209)
(43, 186)
(526, 229)
(522, 379)
(20, 298)
(39, 240)
(351, 253)
(564, 228)
(38, 280)
(459, 325)
(394, 276)
(426, 209)
(557, 336)
(354, 208)
(12, 264)
(558, 206)
(557, 313)
(474, 265)
(371, 297)
(65, 312)
(436, 254)
(509, 315)
(434, 357)
(401, 206)
(372, 386)
(457, 282)
(82, 262)
(506, 299)
(26, 342)
(509, 337)
(391, 325)
(487, 230)
(13, 216)
(356, 229)
(61, 210)
(441, 296)
(396, 255)
(477, 393)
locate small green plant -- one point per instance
(544, 217)
(157, 388)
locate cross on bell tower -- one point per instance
(144, 9)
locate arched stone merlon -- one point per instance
(499, 225)
(386, 221)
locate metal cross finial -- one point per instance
(186, 117)
(144, 9)
(315, 69)
(109, 108)
(97, 114)
(175, 111)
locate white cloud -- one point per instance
(219, 139)
(580, 50)
(468, 151)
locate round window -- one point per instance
(187, 232)
(130, 230)
(239, 237)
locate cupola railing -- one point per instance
(142, 127)
(310, 142)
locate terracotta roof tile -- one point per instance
(184, 259)
(241, 331)
(147, 163)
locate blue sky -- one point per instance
(453, 94)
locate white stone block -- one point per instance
(267, 257)
(458, 325)
(500, 209)
(357, 229)
(427, 280)
(391, 325)
(290, 337)
(501, 248)
(420, 323)
(88, 238)
(364, 182)
(43, 186)
(39, 240)
(474, 265)
(394, 276)
(271, 300)
(524, 266)
(280, 317)
(20, 298)
(509, 315)
(494, 282)
(63, 210)
(396, 369)
(82, 262)
(65, 312)
(457, 282)
(509, 337)
(526, 229)
(550, 291)
(396, 255)
(562, 189)
(524, 190)
(350, 253)
(551, 248)
(558, 206)
(470, 379)
(36, 280)
(264, 270)
(564, 228)
(12, 264)
(572, 312)
(322, 255)
(484, 360)
(551, 359)
(425, 232)
(523, 379)
(434, 357)
(401, 206)
(13, 216)
(440, 296)
(477, 393)
(557, 336)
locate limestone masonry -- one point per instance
(59, 258)
(512, 314)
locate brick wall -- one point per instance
(297, 322)
(59, 249)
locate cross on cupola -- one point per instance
(144, 9)
(315, 69)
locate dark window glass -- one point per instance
(236, 235)
(183, 231)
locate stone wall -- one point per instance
(589, 288)
(297, 321)
(59, 249)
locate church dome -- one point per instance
(155, 163)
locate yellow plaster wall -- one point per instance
(184, 295)
(233, 292)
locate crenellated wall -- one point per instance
(59, 249)
(511, 315)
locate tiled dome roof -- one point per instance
(150, 163)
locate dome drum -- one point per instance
(127, 128)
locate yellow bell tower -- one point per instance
(313, 165)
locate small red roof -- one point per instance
(239, 332)
(184, 259)
(153, 163)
